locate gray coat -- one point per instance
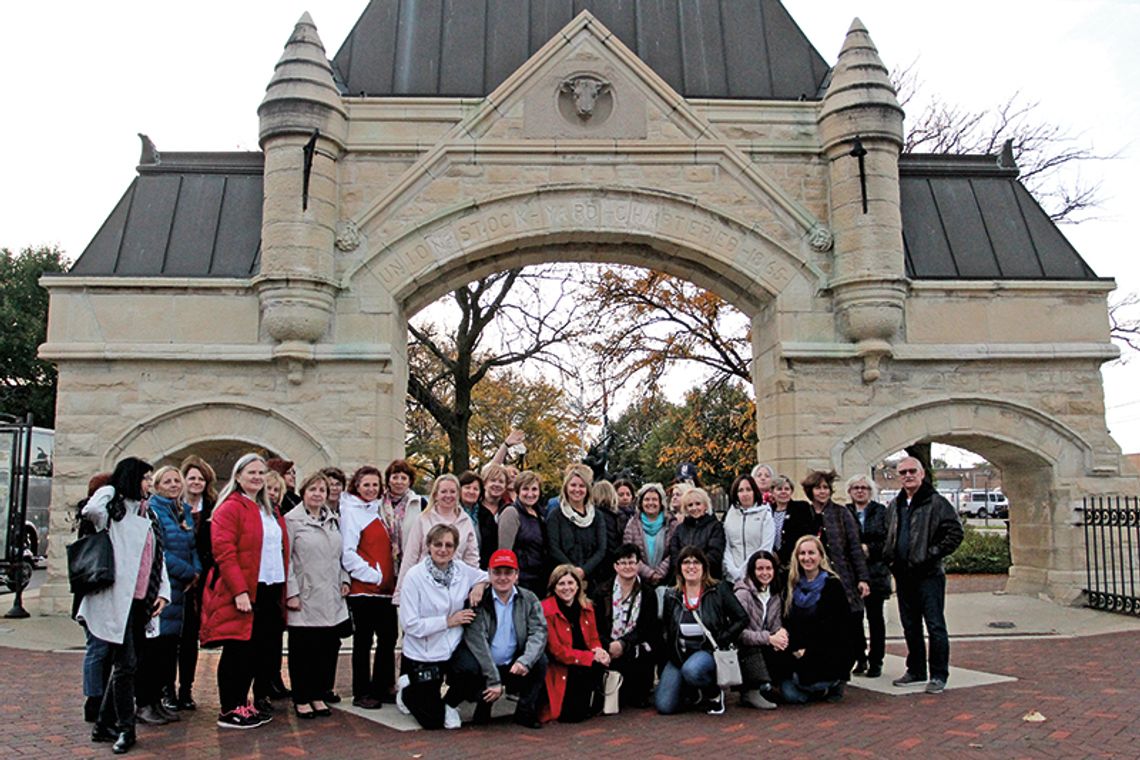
(105, 612)
(315, 572)
(763, 621)
(530, 632)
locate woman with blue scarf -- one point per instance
(815, 613)
(650, 530)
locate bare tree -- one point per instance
(1048, 156)
(529, 312)
(1124, 322)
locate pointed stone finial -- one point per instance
(860, 79)
(150, 154)
(302, 79)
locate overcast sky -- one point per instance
(81, 79)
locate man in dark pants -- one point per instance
(922, 529)
(503, 647)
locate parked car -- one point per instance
(984, 504)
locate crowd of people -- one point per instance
(610, 595)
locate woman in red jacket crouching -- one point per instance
(243, 601)
(578, 661)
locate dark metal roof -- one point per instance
(184, 215)
(466, 48)
(968, 217)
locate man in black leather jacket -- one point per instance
(922, 529)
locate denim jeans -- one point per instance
(96, 664)
(924, 600)
(698, 671)
(795, 693)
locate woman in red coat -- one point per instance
(577, 659)
(243, 601)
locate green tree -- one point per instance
(716, 431)
(28, 383)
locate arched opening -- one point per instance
(1039, 457)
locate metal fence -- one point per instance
(1112, 553)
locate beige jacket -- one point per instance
(315, 573)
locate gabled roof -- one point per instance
(184, 215)
(749, 49)
(968, 218)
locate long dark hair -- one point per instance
(126, 479)
(757, 497)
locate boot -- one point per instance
(124, 742)
(150, 715)
(753, 698)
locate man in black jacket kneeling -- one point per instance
(504, 646)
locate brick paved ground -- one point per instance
(1086, 688)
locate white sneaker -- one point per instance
(402, 683)
(451, 717)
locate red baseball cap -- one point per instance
(503, 558)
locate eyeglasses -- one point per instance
(859, 488)
(625, 562)
(909, 471)
(443, 546)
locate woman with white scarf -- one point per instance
(748, 526)
(576, 533)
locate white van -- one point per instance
(983, 504)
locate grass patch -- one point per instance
(980, 553)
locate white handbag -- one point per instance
(611, 687)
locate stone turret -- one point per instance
(861, 125)
(301, 115)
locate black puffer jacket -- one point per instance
(704, 532)
(873, 534)
(935, 532)
(720, 611)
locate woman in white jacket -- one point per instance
(748, 526)
(119, 614)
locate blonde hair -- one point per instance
(794, 566)
(275, 478)
(561, 572)
(492, 471)
(701, 494)
(166, 470)
(605, 496)
(583, 472)
(448, 478)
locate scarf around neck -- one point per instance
(654, 549)
(806, 594)
(392, 513)
(625, 613)
(442, 577)
(581, 521)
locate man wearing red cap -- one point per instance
(504, 646)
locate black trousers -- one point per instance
(188, 646)
(117, 710)
(158, 658)
(312, 662)
(637, 670)
(468, 682)
(877, 626)
(923, 600)
(254, 661)
(373, 617)
(422, 695)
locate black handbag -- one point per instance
(91, 563)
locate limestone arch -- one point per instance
(1007, 432)
(182, 426)
(642, 226)
(1042, 459)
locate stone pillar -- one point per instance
(295, 284)
(861, 123)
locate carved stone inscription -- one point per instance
(686, 226)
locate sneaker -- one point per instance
(908, 679)
(241, 718)
(936, 686)
(716, 704)
(401, 684)
(451, 717)
(753, 698)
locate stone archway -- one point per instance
(1041, 459)
(179, 428)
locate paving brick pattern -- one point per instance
(1088, 689)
